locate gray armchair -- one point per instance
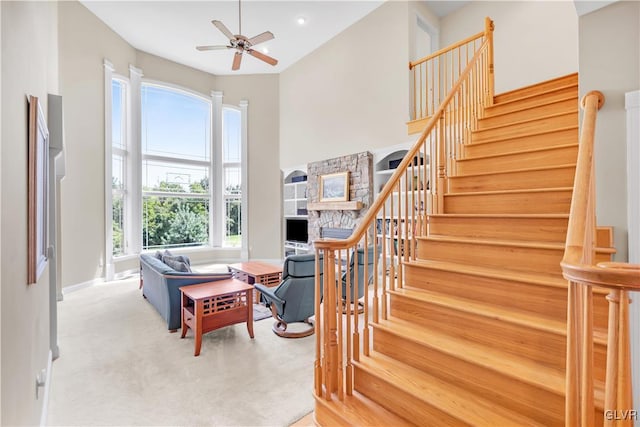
(293, 300)
(362, 281)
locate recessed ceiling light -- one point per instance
(265, 50)
(301, 20)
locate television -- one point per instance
(296, 230)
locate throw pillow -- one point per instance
(176, 264)
(158, 255)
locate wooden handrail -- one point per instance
(446, 49)
(400, 170)
(579, 268)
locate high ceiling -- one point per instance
(172, 29)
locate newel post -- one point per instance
(488, 33)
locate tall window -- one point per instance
(119, 157)
(176, 166)
(232, 168)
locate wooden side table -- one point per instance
(257, 272)
(212, 305)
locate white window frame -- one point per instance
(242, 109)
(132, 217)
(167, 159)
(109, 151)
(124, 153)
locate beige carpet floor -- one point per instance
(120, 366)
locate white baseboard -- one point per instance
(126, 274)
(77, 287)
(45, 396)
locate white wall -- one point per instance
(84, 43)
(610, 63)
(29, 67)
(351, 94)
(533, 40)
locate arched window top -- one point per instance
(175, 123)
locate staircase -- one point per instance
(475, 330)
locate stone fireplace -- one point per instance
(360, 168)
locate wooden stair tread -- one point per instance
(495, 242)
(525, 97)
(518, 276)
(541, 168)
(517, 110)
(447, 397)
(518, 243)
(519, 122)
(512, 153)
(538, 132)
(361, 410)
(532, 190)
(507, 364)
(499, 216)
(482, 309)
(568, 80)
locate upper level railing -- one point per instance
(360, 272)
(579, 268)
(433, 76)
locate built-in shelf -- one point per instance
(335, 206)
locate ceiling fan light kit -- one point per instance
(241, 43)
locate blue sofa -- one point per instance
(161, 286)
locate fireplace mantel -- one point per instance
(335, 206)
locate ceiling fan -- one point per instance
(241, 43)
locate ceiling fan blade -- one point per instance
(261, 38)
(236, 61)
(220, 47)
(219, 25)
(263, 57)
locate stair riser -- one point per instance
(325, 417)
(554, 156)
(393, 398)
(543, 178)
(539, 346)
(546, 86)
(563, 106)
(514, 258)
(523, 128)
(521, 229)
(546, 301)
(550, 202)
(520, 396)
(531, 142)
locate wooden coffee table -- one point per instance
(257, 272)
(212, 305)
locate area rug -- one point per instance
(119, 365)
(260, 312)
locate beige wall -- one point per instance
(84, 43)
(533, 40)
(163, 70)
(261, 91)
(610, 63)
(82, 87)
(351, 94)
(29, 58)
